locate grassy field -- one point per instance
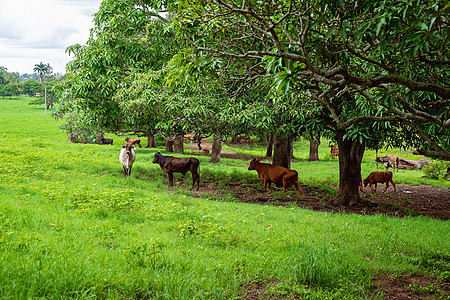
(72, 227)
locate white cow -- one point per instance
(127, 157)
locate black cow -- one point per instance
(106, 141)
(170, 165)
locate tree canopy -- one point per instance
(390, 58)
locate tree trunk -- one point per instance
(216, 148)
(281, 152)
(169, 146)
(269, 140)
(178, 145)
(150, 141)
(314, 143)
(291, 147)
(350, 157)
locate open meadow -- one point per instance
(71, 226)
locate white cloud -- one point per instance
(34, 31)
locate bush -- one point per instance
(436, 169)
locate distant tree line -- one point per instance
(14, 84)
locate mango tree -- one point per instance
(391, 58)
(128, 40)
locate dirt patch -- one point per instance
(426, 200)
(412, 287)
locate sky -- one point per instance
(35, 31)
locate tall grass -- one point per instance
(72, 227)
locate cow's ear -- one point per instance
(259, 159)
(133, 147)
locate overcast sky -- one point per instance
(34, 31)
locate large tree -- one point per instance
(390, 58)
(129, 41)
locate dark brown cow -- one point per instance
(106, 141)
(279, 175)
(170, 165)
(379, 177)
(133, 141)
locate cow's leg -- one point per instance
(267, 184)
(299, 189)
(124, 171)
(393, 184)
(170, 174)
(195, 178)
(129, 171)
(387, 185)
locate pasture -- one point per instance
(71, 226)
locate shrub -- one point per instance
(436, 169)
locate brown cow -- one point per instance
(279, 175)
(133, 141)
(170, 165)
(379, 177)
(389, 161)
(334, 151)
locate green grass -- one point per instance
(72, 227)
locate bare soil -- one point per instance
(409, 200)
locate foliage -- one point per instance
(11, 89)
(340, 54)
(436, 169)
(128, 40)
(32, 86)
(77, 131)
(44, 70)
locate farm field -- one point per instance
(72, 227)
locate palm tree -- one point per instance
(43, 70)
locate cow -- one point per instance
(281, 176)
(379, 177)
(127, 157)
(334, 151)
(170, 165)
(133, 141)
(106, 141)
(389, 161)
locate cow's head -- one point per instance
(366, 181)
(128, 148)
(253, 163)
(156, 158)
(381, 159)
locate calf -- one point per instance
(106, 141)
(334, 151)
(389, 161)
(379, 177)
(133, 141)
(170, 165)
(127, 158)
(279, 175)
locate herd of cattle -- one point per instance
(267, 173)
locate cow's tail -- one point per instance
(396, 161)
